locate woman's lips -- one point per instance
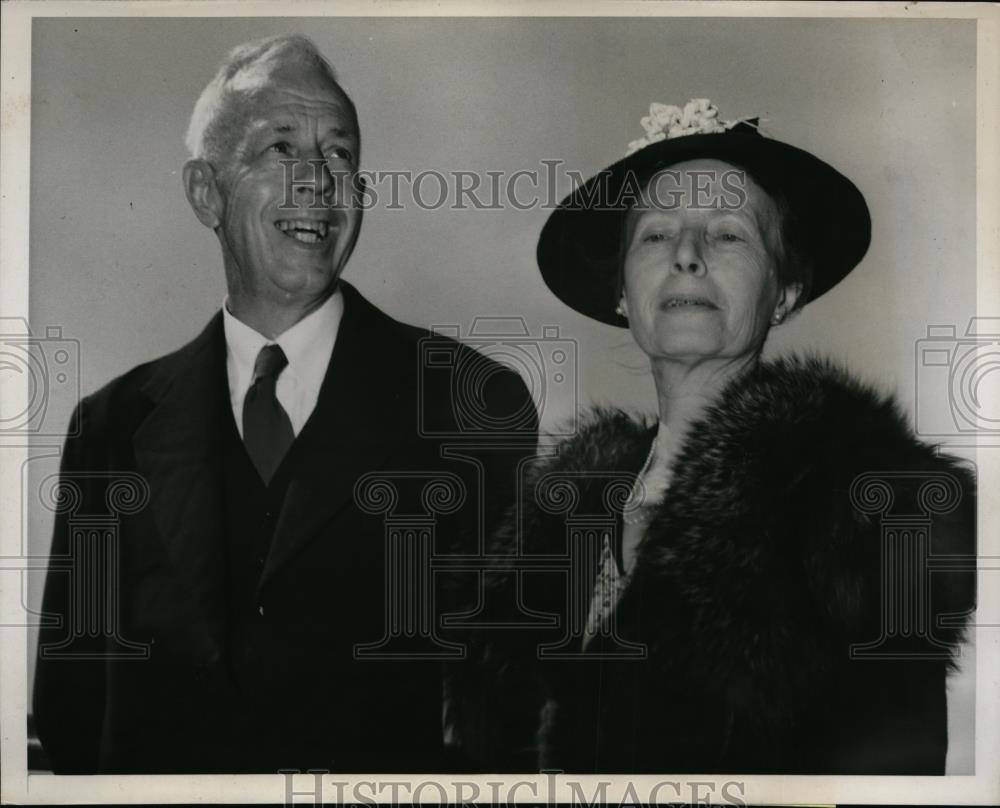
(686, 303)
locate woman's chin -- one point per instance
(686, 347)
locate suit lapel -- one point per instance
(359, 421)
(178, 449)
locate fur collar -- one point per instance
(759, 527)
(756, 577)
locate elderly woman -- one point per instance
(744, 608)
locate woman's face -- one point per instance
(700, 272)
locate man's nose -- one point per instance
(688, 257)
(312, 182)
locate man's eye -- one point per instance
(654, 237)
(340, 153)
(281, 147)
(730, 237)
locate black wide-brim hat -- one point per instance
(579, 250)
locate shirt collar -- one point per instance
(308, 344)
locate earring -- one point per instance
(620, 309)
(778, 317)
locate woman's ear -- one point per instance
(202, 189)
(788, 296)
(622, 308)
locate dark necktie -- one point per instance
(267, 432)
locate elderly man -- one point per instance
(245, 593)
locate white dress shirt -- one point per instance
(308, 346)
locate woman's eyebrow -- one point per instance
(647, 209)
(742, 214)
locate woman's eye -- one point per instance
(653, 237)
(730, 237)
(281, 147)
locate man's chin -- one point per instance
(298, 281)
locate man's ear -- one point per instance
(202, 188)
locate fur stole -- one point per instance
(766, 591)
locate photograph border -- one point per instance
(20, 787)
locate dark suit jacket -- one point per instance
(140, 679)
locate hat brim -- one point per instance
(579, 250)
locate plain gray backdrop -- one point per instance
(118, 260)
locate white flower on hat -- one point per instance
(698, 117)
(666, 115)
(698, 110)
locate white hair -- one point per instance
(247, 69)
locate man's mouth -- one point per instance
(306, 231)
(687, 302)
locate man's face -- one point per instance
(288, 224)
